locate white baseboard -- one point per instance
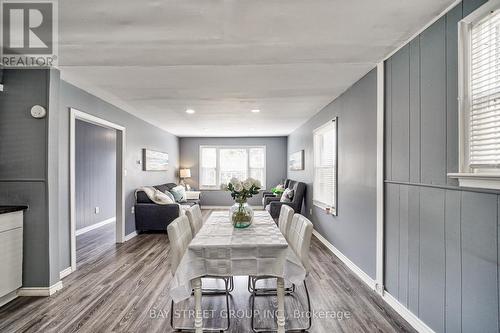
(7, 298)
(413, 320)
(130, 236)
(358, 271)
(94, 226)
(65, 272)
(40, 291)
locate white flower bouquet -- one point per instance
(241, 213)
(242, 190)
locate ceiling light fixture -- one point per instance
(255, 111)
(190, 111)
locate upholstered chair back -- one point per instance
(299, 238)
(195, 219)
(179, 234)
(286, 215)
(300, 190)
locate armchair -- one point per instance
(266, 194)
(273, 204)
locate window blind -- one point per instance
(257, 163)
(484, 124)
(325, 168)
(233, 163)
(208, 167)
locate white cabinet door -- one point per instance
(11, 260)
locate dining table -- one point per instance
(221, 250)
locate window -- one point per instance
(218, 164)
(479, 91)
(233, 163)
(208, 165)
(484, 115)
(325, 166)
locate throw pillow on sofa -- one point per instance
(179, 193)
(163, 198)
(287, 195)
(170, 195)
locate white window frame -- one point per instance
(468, 176)
(217, 174)
(334, 205)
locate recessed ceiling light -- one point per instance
(255, 111)
(190, 111)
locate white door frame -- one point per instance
(379, 280)
(120, 176)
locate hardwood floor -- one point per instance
(125, 288)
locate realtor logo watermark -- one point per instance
(29, 33)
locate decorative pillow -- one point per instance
(163, 198)
(287, 195)
(179, 193)
(170, 195)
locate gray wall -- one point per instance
(441, 241)
(95, 173)
(276, 162)
(353, 231)
(34, 163)
(140, 134)
(25, 147)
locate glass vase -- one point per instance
(241, 214)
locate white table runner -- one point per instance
(219, 249)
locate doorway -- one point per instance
(80, 120)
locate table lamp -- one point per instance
(183, 174)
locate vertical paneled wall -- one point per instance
(95, 173)
(23, 165)
(441, 241)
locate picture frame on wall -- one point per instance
(154, 160)
(296, 161)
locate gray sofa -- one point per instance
(150, 216)
(273, 204)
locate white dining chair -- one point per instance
(180, 235)
(286, 215)
(299, 239)
(196, 222)
(195, 218)
(284, 221)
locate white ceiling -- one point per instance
(222, 58)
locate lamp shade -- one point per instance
(185, 173)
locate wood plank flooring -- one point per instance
(125, 288)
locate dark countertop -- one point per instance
(10, 209)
